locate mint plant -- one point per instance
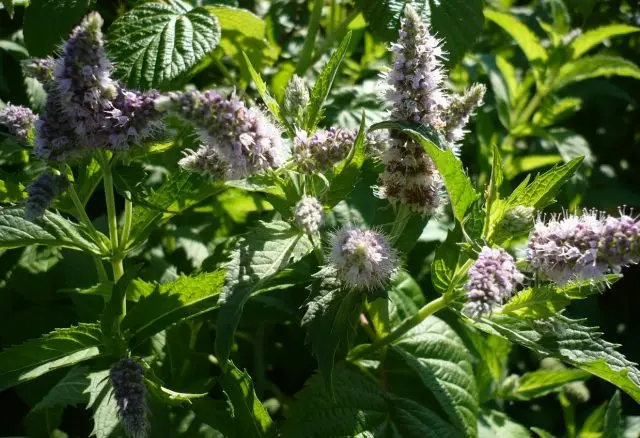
(238, 227)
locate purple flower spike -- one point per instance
(127, 380)
(18, 120)
(42, 192)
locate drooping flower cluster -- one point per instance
(127, 380)
(243, 138)
(85, 108)
(493, 278)
(583, 247)
(362, 259)
(42, 192)
(323, 149)
(309, 214)
(18, 120)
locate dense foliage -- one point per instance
(319, 218)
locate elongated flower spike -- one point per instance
(493, 278)
(309, 214)
(363, 259)
(18, 120)
(127, 380)
(460, 110)
(42, 192)
(583, 247)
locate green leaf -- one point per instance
(348, 173)
(593, 425)
(51, 230)
(60, 348)
(542, 191)
(331, 318)
(542, 382)
(523, 36)
(252, 419)
(170, 397)
(552, 112)
(156, 42)
(360, 408)
(497, 424)
(585, 42)
(572, 342)
(613, 418)
(491, 367)
(104, 405)
(8, 5)
(322, 87)
(176, 301)
(457, 22)
(592, 67)
(42, 34)
(68, 391)
(514, 166)
(266, 250)
(406, 298)
(434, 352)
(541, 433)
(446, 260)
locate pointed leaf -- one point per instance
(595, 66)
(542, 382)
(68, 391)
(103, 403)
(348, 173)
(613, 418)
(585, 42)
(497, 424)
(525, 38)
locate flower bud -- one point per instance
(296, 97)
(309, 214)
(515, 221)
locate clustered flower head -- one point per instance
(362, 259)
(491, 280)
(243, 138)
(323, 149)
(127, 380)
(85, 108)
(583, 247)
(309, 214)
(18, 120)
(42, 192)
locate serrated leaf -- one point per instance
(322, 87)
(585, 42)
(104, 405)
(457, 22)
(497, 424)
(613, 418)
(51, 230)
(42, 35)
(331, 319)
(594, 66)
(360, 408)
(172, 302)
(60, 348)
(522, 35)
(264, 251)
(252, 419)
(68, 391)
(442, 363)
(572, 342)
(542, 382)
(446, 260)
(156, 42)
(348, 172)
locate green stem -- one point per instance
(128, 219)
(116, 260)
(568, 412)
(339, 33)
(307, 49)
(84, 218)
(102, 273)
(403, 328)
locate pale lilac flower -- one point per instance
(460, 110)
(127, 380)
(492, 279)
(583, 247)
(309, 214)
(362, 259)
(243, 138)
(42, 192)
(377, 142)
(323, 149)
(18, 120)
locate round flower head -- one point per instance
(309, 214)
(242, 137)
(323, 149)
(18, 120)
(127, 380)
(583, 247)
(42, 192)
(492, 279)
(362, 259)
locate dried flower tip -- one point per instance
(309, 214)
(244, 138)
(127, 380)
(296, 97)
(583, 247)
(492, 279)
(323, 149)
(18, 120)
(415, 83)
(516, 220)
(363, 259)
(42, 192)
(411, 178)
(460, 110)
